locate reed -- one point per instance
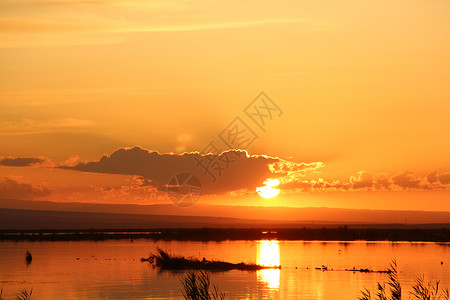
(428, 291)
(391, 290)
(196, 286)
(24, 295)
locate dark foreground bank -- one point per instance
(341, 233)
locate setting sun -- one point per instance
(269, 190)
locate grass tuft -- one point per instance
(393, 291)
(24, 295)
(428, 291)
(196, 286)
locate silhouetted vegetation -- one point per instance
(196, 286)
(428, 291)
(166, 261)
(23, 295)
(367, 270)
(342, 233)
(392, 290)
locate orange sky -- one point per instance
(363, 87)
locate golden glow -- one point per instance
(269, 190)
(268, 255)
(157, 78)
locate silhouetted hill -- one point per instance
(38, 225)
(40, 219)
(309, 215)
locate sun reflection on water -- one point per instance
(268, 254)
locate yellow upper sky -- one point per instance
(364, 87)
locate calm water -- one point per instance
(112, 269)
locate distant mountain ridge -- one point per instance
(22, 219)
(308, 215)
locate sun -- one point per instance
(269, 190)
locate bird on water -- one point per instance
(28, 257)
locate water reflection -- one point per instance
(56, 273)
(268, 254)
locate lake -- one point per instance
(113, 270)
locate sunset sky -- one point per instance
(357, 94)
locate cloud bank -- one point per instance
(21, 161)
(367, 181)
(11, 188)
(219, 174)
(236, 172)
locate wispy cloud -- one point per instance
(299, 73)
(84, 29)
(18, 4)
(41, 97)
(32, 126)
(52, 23)
(83, 22)
(210, 26)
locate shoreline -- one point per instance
(339, 234)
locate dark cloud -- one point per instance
(432, 177)
(21, 161)
(316, 185)
(436, 178)
(374, 182)
(364, 180)
(237, 171)
(13, 189)
(407, 181)
(230, 171)
(382, 182)
(444, 178)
